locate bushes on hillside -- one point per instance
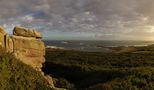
(103, 71)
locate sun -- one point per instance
(151, 29)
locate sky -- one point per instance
(81, 19)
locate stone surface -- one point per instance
(27, 46)
(9, 44)
(25, 32)
(31, 51)
(2, 31)
(21, 43)
(2, 37)
(49, 80)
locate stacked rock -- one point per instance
(28, 47)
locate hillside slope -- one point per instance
(14, 75)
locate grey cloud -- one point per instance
(110, 18)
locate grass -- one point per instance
(14, 75)
(103, 71)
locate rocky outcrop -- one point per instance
(25, 32)
(29, 50)
(49, 81)
(27, 46)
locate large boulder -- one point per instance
(27, 46)
(21, 43)
(25, 32)
(29, 50)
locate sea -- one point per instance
(93, 45)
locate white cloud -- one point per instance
(27, 18)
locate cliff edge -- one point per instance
(26, 45)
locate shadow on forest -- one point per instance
(80, 77)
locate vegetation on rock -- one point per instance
(15, 75)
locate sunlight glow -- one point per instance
(151, 29)
(145, 18)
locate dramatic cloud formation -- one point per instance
(82, 19)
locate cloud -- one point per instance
(109, 19)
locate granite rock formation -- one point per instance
(27, 46)
(25, 32)
(29, 50)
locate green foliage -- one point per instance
(14, 75)
(104, 71)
